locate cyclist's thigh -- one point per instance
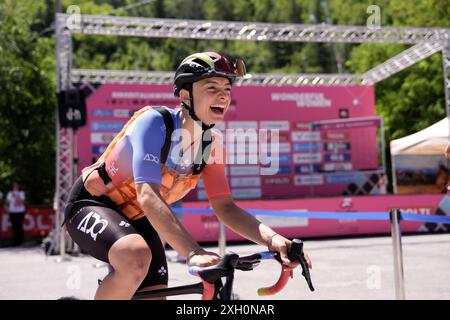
(158, 271)
(96, 227)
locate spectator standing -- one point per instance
(15, 200)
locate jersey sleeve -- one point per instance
(213, 175)
(147, 138)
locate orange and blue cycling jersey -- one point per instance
(133, 157)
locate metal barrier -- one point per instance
(395, 216)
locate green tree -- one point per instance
(27, 99)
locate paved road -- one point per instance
(358, 268)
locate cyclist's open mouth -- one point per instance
(217, 110)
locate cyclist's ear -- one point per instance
(184, 94)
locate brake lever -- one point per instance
(296, 254)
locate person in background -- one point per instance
(15, 204)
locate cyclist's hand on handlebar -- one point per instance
(281, 244)
(204, 259)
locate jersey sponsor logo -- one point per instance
(152, 158)
(92, 230)
(124, 224)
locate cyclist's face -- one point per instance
(212, 97)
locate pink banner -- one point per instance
(205, 227)
(334, 160)
(37, 223)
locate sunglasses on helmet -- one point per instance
(224, 64)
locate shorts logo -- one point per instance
(124, 224)
(162, 271)
(92, 231)
(152, 158)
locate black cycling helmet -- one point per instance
(203, 65)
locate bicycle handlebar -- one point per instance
(231, 261)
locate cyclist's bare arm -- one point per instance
(251, 228)
(241, 221)
(447, 151)
(164, 221)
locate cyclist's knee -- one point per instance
(131, 256)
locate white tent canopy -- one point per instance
(431, 140)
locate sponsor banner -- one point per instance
(237, 148)
(123, 113)
(140, 95)
(244, 170)
(348, 124)
(276, 222)
(335, 136)
(246, 182)
(281, 158)
(307, 168)
(306, 147)
(107, 126)
(416, 204)
(98, 149)
(311, 180)
(305, 136)
(307, 157)
(246, 193)
(274, 170)
(274, 125)
(284, 170)
(102, 138)
(102, 113)
(336, 146)
(242, 125)
(337, 167)
(38, 222)
(283, 136)
(339, 179)
(304, 99)
(281, 147)
(117, 102)
(338, 157)
(302, 126)
(277, 180)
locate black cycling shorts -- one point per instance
(95, 224)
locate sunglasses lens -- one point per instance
(226, 66)
(240, 67)
(223, 65)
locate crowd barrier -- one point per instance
(394, 216)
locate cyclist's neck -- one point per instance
(194, 128)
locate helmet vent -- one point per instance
(201, 62)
